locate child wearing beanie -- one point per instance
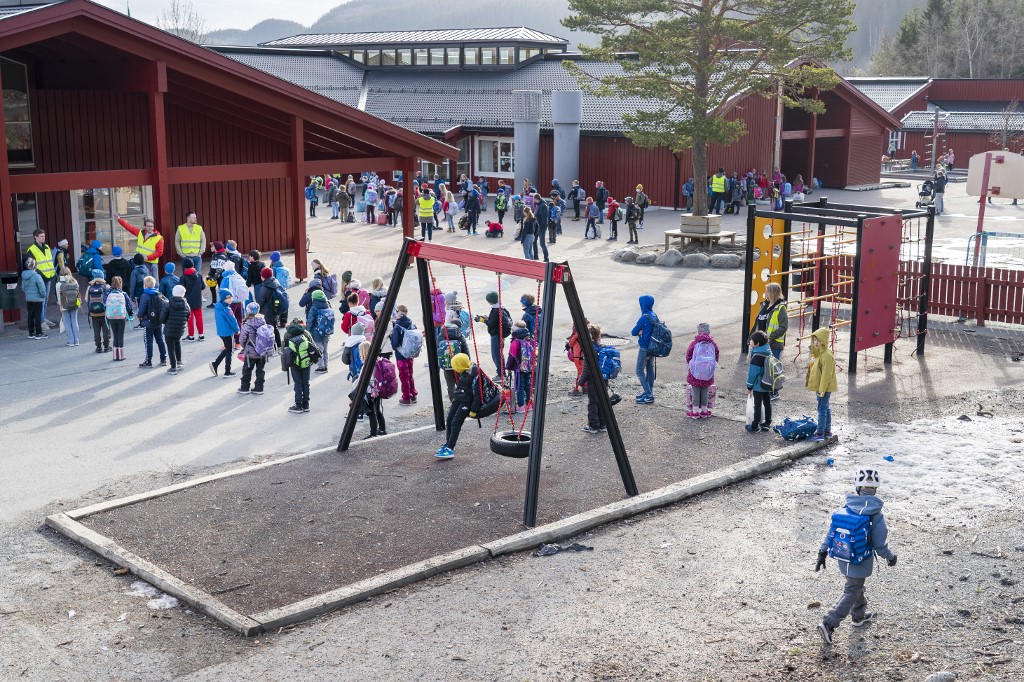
(174, 316)
(227, 327)
(465, 403)
(299, 355)
(320, 322)
(168, 281)
(281, 273)
(350, 356)
(194, 285)
(499, 327)
(253, 350)
(701, 363)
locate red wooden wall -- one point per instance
(197, 139)
(252, 212)
(865, 140)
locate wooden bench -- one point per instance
(704, 239)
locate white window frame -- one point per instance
(898, 137)
(480, 171)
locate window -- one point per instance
(373, 57)
(896, 139)
(527, 53)
(453, 56)
(495, 156)
(488, 55)
(94, 215)
(437, 56)
(387, 58)
(462, 165)
(420, 56)
(17, 116)
(472, 56)
(359, 56)
(27, 217)
(430, 168)
(506, 55)
(405, 57)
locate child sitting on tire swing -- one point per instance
(465, 403)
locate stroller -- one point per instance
(925, 194)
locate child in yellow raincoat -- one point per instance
(821, 378)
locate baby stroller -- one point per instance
(925, 194)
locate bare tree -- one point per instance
(183, 20)
(1010, 135)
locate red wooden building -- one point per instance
(107, 114)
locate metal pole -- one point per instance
(748, 280)
(852, 364)
(590, 359)
(380, 331)
(540, 397)
(926, 282)
(431, 342)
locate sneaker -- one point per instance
(403, 401)
(615, 398)
(828, 434)
(202, 338)
(590, 429)
(305, 408)
(817, 438)
(42, 336)
(244, 391)
(295, 409)
(649, 400)
(213, 369)
(255, 392)
(751, 428)
(444, 452)
(99, 350)
(602, 429)
(147, 363)
(766, 427)
(414, 399)
(230, 374)
(320, 370)
(163, 363)
(693, 415)
(826, 632)
(172, 370)
(864, 620)
(775, 396)
(190, 338)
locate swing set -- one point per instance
(516, 441)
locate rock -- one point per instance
(814, 605)
(646, 258)
(944, 676)
(726, 260)
(670, 258)
(695, 260)
(627, 255)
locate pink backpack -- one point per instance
(386, 377)
(437, 297)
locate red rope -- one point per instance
(533, 365)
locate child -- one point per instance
(451, 342)
(575, 353)
(173, 317)
(853, 602)
(320, 323)
(193, 283)
(96, 300)
(299, 355)
(118, 310)
(593, 214)
(255, 357)
(281, 273)
(168, 281)
(701, 360)
(227, 327)
(631, 215)
(455, 314)
(373, 403)
(821, 378)
(521, 355)
(403, 325)
(151, 304)
(759, 350)
(773, 320)
(118, 266)
(35, 293)
(593, 384)
(378, 292)
(350, 356)
(70, 302)
(614, 215)
(518, 210)
(501, 206)
(494, 229)
(465, 403)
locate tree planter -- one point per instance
(709, 224)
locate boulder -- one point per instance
(669, 258)
(627, 255)
(646, 258)
(695, 260)
(726, 260)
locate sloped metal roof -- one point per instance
(13, 10)
(965, 121)
(465, 35)
(324, 74)
(889, 93)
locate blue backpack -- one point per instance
(355, 365)
(554, 214)
(796, 429)
(324, 325)
(849, 536)
(310, 193)
(279, 302)
(609, 360)
(283, 275)
(660, 344)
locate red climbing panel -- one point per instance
(878, 282)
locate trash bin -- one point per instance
(9, 286)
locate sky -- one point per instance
(221, 13)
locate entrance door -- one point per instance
(93, 211)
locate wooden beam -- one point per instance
(408, 198)
(297, 197)
(815, 131)
(183, 175)
(65, 182)
(359, 163)
(158, 147)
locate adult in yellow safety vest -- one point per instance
(190, 240)
(41, 252)
(719, 183)
(150, 242)
(773, 320)
(425, 213)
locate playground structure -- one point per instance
(870, 265)
(992, 174)
(517, 441)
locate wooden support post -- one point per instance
(297, 197)
(748, 279)
(9, 256)
(924, 292)
(540, 397)
(159, 179)
(851, 366)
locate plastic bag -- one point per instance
(750, 409)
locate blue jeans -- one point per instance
(543, 246)
(155, 332)
(522, 388)
(71, 325)
(824, 414)
(335, 209)
(300, 378)
(645, 372)
(497, 345)
(529, 252)
(46, 298)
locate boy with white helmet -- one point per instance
(857, 532)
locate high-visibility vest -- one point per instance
(718, 183)
(147, 247)
(426, 208)
(191, 240)
(773, 322)
(44, 260)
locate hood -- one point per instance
(295, 329)
(320, 303)
(520, 332)
(26, 274)
(554, 183)
(380, 293)
(822, 334)
(354, 340)
(189, 271)
(702, 337)
(357, 310)
(863, 504)
(271, 283)
(152, 291)
(646, 303)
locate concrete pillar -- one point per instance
(526, 121)
(567, 117)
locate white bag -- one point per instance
(750, 409)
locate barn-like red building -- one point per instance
(106, 114)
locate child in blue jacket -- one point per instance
(168, 282)
(227, 327)
(645, 363)
(759, 350)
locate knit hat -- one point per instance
(62, 242)
(492, 297)
(319, 295)
(266, 273)
(97, 274)
(117, 251)
(346, 276)
(169, 268)
(276, 256)
(178, 290)
(95, 244)
(460, 362)
(451, 297)
(358, 329)
(138, 259)
(187, 263)
(704, 328)
(225, 294)
(377, 308)
(251, 309)
(218, 246)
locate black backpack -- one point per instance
(156, 306)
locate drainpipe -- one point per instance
(526, 122)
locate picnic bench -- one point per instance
(702, 237)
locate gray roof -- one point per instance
(968, 105)
(888, 93)
(964, 121)
(463, 35)
(435, 101)
(12, 10)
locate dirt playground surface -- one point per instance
(271, 537)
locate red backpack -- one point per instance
(386, 377)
